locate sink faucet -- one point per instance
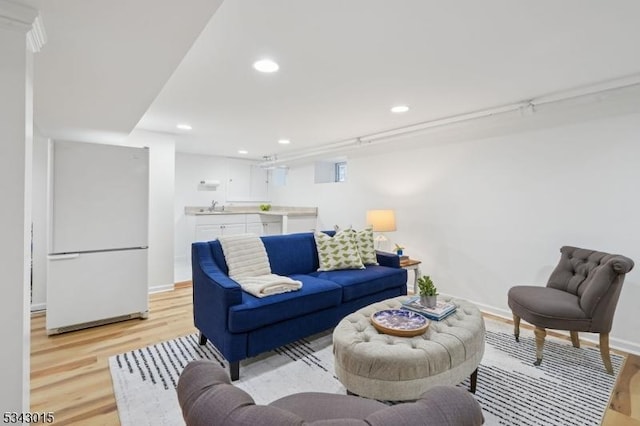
(213, 205)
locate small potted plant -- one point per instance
(428, 292)
(399, 249)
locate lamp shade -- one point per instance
(382, 220)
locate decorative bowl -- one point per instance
(399, 322)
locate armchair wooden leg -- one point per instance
(604, 352)
(516, 327)
(575, 341)
(540, 335)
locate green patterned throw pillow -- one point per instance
(337, 252)
(366, 246)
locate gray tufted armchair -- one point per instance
(581, 295)
(207, 398)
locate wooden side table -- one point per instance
(412, 265)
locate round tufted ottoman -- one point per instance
(385, 367)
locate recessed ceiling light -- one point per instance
(266, 65)
(284, 141)
(243, 151)
(400, 108)
(184, 126)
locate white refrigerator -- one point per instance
(98, 233)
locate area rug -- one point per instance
(569, 388)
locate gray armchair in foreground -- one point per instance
(581, 295)
(207, 398)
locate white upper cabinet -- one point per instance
(247, 182)
(259, 188)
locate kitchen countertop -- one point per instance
(274, 211)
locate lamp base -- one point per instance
(380, 241)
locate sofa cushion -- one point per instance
(291, 254)
(313, 406)
(338, 252)
(316, 294)
(363, 282)
(548, 307)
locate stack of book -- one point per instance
(441, 311)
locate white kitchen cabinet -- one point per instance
(239, 183)
(210, 227)
(247, 182)
(264, 225)
(272, 228)
(294, 224)
(212, 232)
(255, 228)
(259, 186)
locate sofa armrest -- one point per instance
(213, 291)
(388, 259)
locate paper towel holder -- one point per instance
(208, 185)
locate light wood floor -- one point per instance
(70, 372)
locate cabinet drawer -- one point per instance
(207, 232)
(253, 218)
(269, 218)
(219, 219)
(212, 232)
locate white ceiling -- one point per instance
(105, 61)
(343, 64)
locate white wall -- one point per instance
(39, 218)
(161, 202)
(484, 214)
(16, 139)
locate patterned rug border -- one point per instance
(571, 386)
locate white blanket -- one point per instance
(249, 266)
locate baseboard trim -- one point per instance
(161, 288)
(183, 284)
(41, 308)
(38, 307)
(614, 342)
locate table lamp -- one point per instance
(381, 221)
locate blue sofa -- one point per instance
(241, 325)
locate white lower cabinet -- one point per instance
(264, 225)
(294, 224)
(211, 227)
(212, 232)
(264, 228)
(272, 228)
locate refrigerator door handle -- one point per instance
(63, 256)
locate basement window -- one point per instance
(331, 171)
(341, 171)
